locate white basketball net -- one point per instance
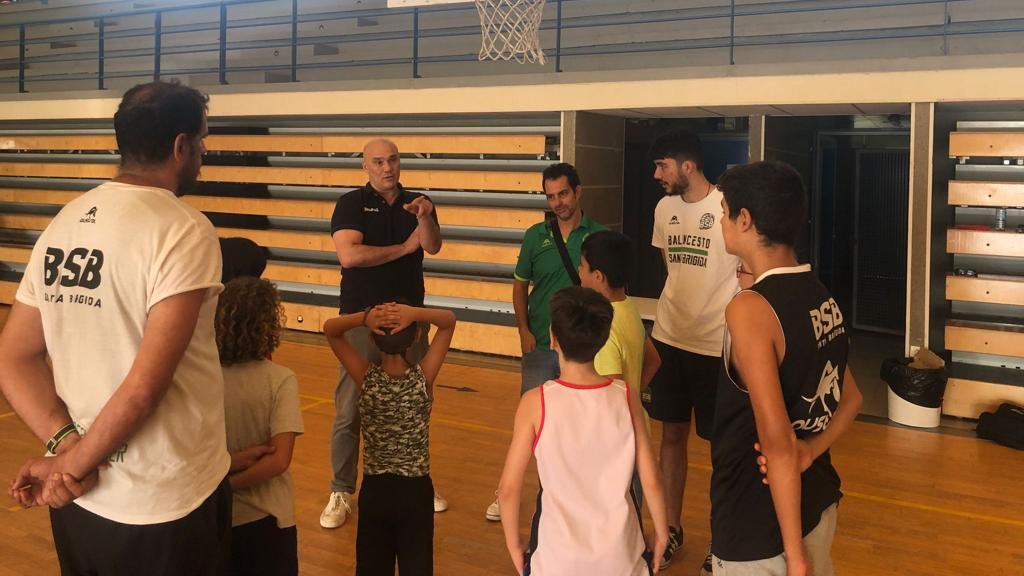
(509, 30)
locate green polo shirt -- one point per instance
(540, 263)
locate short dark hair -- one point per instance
(241, 257)
(580, 320)
(612, 254)
(682, 145)
(773, 194)
(556, 171)
(152, 115)
(396, 342)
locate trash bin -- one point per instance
(915, 390)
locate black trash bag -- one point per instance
(1004, 426)
(919, 386)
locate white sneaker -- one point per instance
(337, 510)
(440, 504)
(493, 512)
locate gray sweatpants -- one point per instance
(819, 549)
(345, 429)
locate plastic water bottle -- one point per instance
(1001, 219)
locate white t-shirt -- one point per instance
(103, 262)
(701, 274)
(261, 400)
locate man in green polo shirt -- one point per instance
(541, 264)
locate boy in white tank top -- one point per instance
(587, 433)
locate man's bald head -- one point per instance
(382, 164)
(378, 147)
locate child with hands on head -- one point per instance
(396, 499)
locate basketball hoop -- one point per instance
(509, 28)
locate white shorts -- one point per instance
(818, 544)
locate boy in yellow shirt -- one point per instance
(605, 264)
(606, 258)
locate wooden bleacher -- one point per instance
(984, 331)
(984, 243)
(989, 289)
(496, 144)
(7, 290)
(305, 176)
(283, 186)
(984, 193)
(974, 144)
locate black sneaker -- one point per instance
(675, 542)
(707, 569)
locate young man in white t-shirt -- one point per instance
(689, 327)
(120, 293)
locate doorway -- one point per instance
(856, 169)
(858, 224)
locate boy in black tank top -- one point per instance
(784, 384)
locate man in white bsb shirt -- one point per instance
(120, 293)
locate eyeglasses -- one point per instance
(741, 271)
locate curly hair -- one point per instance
(249, 320)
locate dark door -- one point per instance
(880, 243)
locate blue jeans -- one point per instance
(539, 366)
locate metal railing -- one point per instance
(730, 12)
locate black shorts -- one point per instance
(685, 384)
(260, 548)
(197, 545)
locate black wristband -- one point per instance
(366, 314)
(59, 436)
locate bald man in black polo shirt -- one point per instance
(380, 232)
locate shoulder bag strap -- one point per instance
(556, 233)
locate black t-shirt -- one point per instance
(381, 225)
(744, 526)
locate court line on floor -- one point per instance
(467, 425)
(464, 424)
(937, 509)
(453, 422)
(911, 505)
(312, 405)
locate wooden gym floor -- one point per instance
(917, 502)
